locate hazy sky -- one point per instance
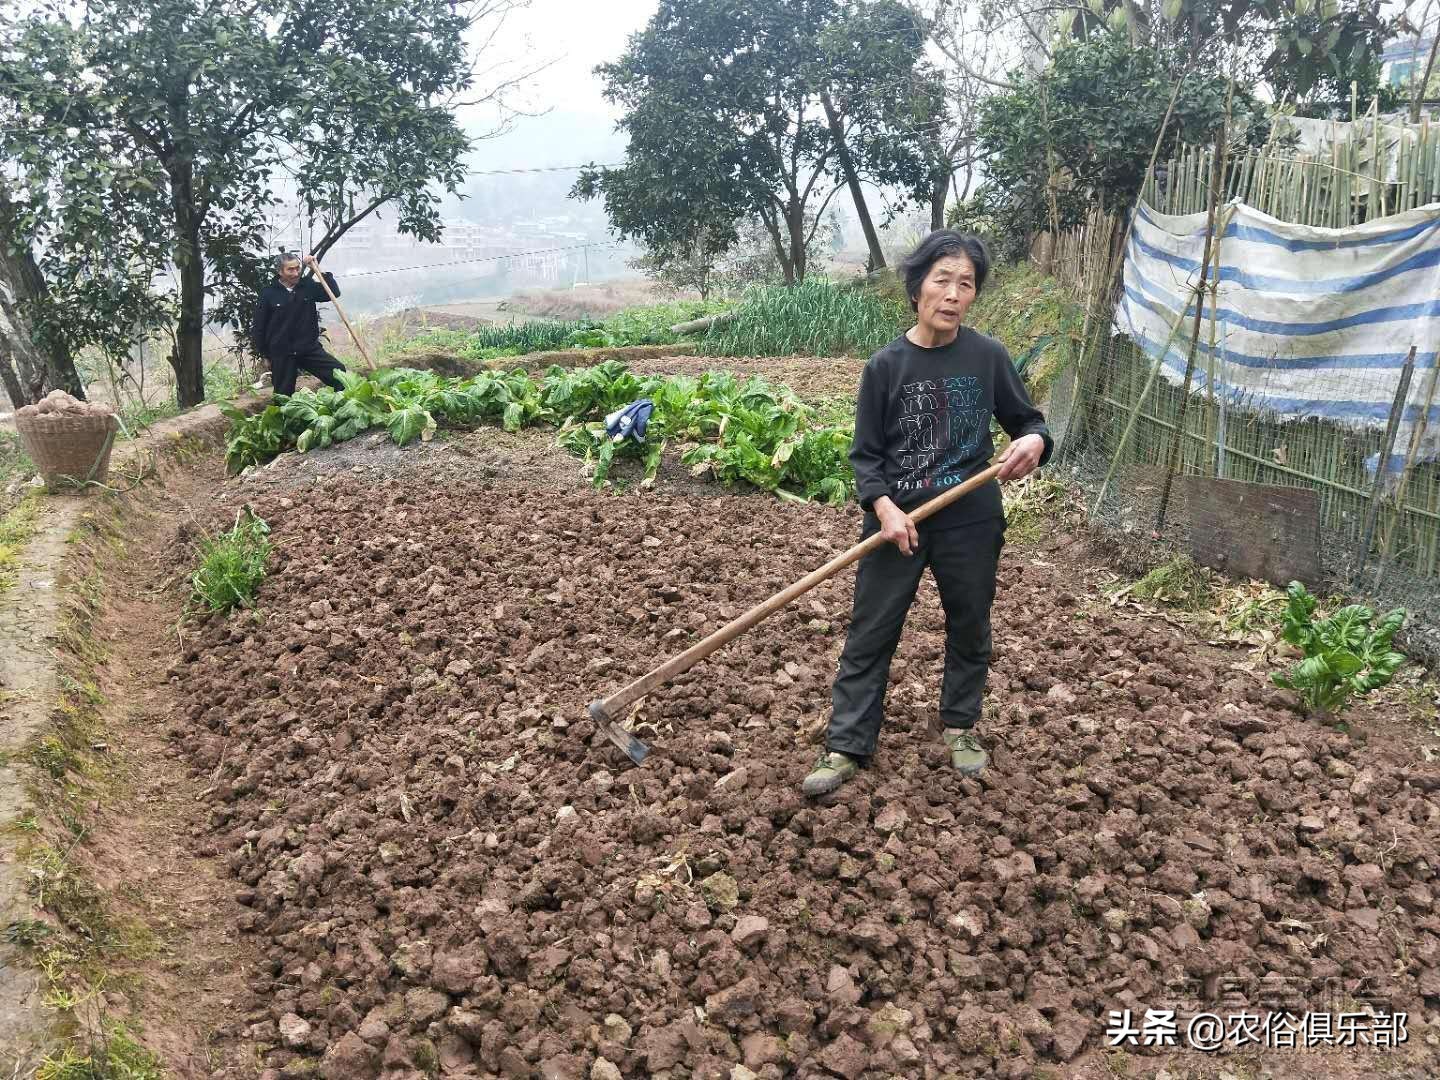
(579, 124)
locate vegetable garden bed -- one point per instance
(437, 867)
(449, 870)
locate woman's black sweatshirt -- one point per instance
(922, 424)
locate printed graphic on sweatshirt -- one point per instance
(942, 428)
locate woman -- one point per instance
(922, 425)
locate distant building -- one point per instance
(1403, 61)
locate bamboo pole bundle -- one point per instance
(1417, 437)
(1382, 464)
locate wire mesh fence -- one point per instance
(1157, 453)
(1127, 436)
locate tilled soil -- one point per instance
(449, 868)
(813, 378)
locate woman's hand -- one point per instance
(1021, 457)
(896, 526)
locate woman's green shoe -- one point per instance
(832, 770)
(967, 756)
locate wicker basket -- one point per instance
(68, 450)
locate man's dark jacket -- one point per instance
(286, 321)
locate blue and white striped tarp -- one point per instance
(1308, 321)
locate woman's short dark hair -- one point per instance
(941, 244)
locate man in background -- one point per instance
(286, 326)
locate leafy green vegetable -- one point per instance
(1345, 655)
(740, 431)
(409, 423)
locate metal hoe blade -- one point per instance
(633, 748)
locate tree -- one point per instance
(692, 268)
(75, 268)
(1422, 61)
(1308, 52)
(32, 362)
(883, 104)
(199, 104)
(980, 44)
(738, 113)
(1057, 144)
(722, 125)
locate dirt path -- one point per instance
(183, 986)
(30, 615)
(38, 633)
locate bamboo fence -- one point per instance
(1381, 169)
(1352, 183)
(1232, 443)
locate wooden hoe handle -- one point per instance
(320, 277)
(613, 707)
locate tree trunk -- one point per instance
(186, 359)
(847, 166)
(30, 365)
(1419, 97)
(939, 189)
(22, 366)
(781, 255)
(795, 220)
(189, 337)
(9, 379)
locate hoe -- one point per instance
(609, 711)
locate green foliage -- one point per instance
(232, 565)
(767, 437)
(1308, 52)
(746, 431)
(253, 439)
(16, 528)
(14, 463)
(406, 403)
(589, 440)
(223, 381)
(646, 325)
(814, 318)
(722, 114)
(633, 326)
(1346, 655)
(1030, 506)
(116, 1057)
(592, 391)
(1034, 317)
(492, 342)
(27, 933)
(1180, 583)
(149, 133)
(1063, 123)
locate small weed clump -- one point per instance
(1179, 583)
(1030, 505)
(115, 1055)
(232, 565)
(16, 528)
(14, 463)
